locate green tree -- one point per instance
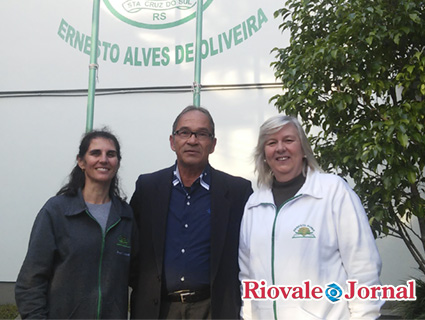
(356, 70)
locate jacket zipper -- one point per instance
(273, 247)
(102, 249)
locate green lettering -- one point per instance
(79, 41)
(136, 60)
(189, 52)
(220, 43)
(87, 45)
(166, 57)
(179, 54)
(128, 56)
(245, 36)
(106, 46)
(115, 53)
(70, 35)
(146, 57)
(261, 18)
(228, 40)
(212, 50)
(62, 28)
(251, 25)
(156, 55)
(237, 34)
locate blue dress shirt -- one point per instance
(187, 244)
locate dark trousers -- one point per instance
(178, 310)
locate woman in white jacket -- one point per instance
(304, 234)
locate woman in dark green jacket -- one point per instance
(78, 260)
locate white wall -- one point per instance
(40, 138)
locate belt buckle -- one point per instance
(183, 296)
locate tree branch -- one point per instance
(410, 246)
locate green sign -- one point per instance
(154, 14)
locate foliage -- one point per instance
(8, 311)
(413, 309)
(356, 70)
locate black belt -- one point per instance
(188, 296)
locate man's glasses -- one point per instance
(202, 135)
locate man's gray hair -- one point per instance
(194, 108)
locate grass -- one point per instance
(8, 311)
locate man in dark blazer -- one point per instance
(189, 218)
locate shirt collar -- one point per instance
(204, 178)
(311, 187)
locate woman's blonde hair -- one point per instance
(271, 126)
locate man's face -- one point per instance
(193, 152)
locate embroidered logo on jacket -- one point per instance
(123, 242)
(304, 231)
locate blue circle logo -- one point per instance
(333, 292)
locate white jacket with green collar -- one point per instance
(322, 234)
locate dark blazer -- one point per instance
(150, 203)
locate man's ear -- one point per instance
(213, 145)
(172, 143)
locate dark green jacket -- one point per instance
(72, 269)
